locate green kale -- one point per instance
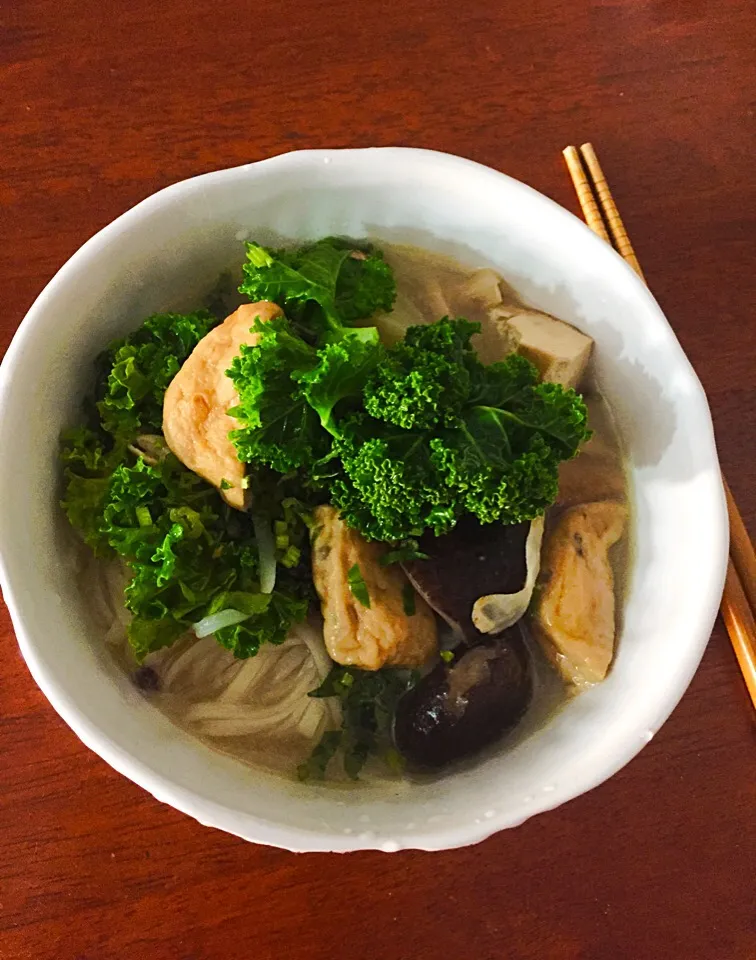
(278, 428)
(138, 369)
(288, 391)
(447, 435)
(190, 557)
(189, 554)
(368, 700)
(340, 374)
(426, 378)
(388, 487)
(408, 438)
(324, 286)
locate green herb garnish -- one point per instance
(358, 586)
(368, 702)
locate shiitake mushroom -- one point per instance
(473, 560)
(462, 706)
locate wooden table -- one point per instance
(104, 103)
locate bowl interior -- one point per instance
(166, 254)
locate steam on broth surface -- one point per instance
(258, 708)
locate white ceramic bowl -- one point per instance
(166, 253)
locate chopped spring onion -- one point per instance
(217, 621)
(281, 530)
(358, 586)
(266, 552)
(144, 517)
(291, 557)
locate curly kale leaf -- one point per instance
(190, 556)
(447, 436)
(341, 372)
(323, 286)
(288, 391)
(277, 427)
(426, 378)
(138, 369)
(389, 488)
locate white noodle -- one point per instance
(213, 694)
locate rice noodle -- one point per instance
(220, 696)
(203, 687)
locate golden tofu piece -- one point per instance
(195, 423)
(355, 634)
(574, 613)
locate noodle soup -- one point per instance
(423, 646)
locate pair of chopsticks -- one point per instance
(739, 596)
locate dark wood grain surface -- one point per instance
(103, 103)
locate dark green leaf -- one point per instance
(447, 436)
(368, 701)
(341, 372)
(138, 369)
(188, 553)
(314, 768)
(324, 285)
(277, 427)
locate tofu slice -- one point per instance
(574, 614)
(195, 423)
(382, 633)
(560, 352)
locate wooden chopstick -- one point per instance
(741, 548)
(588, 203)
(608, 207)
(741, 627)
(739, 595)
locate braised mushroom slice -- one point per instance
(195, 422)
(473, 560)
(372, 615)
(574, 614)
(461, 707)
